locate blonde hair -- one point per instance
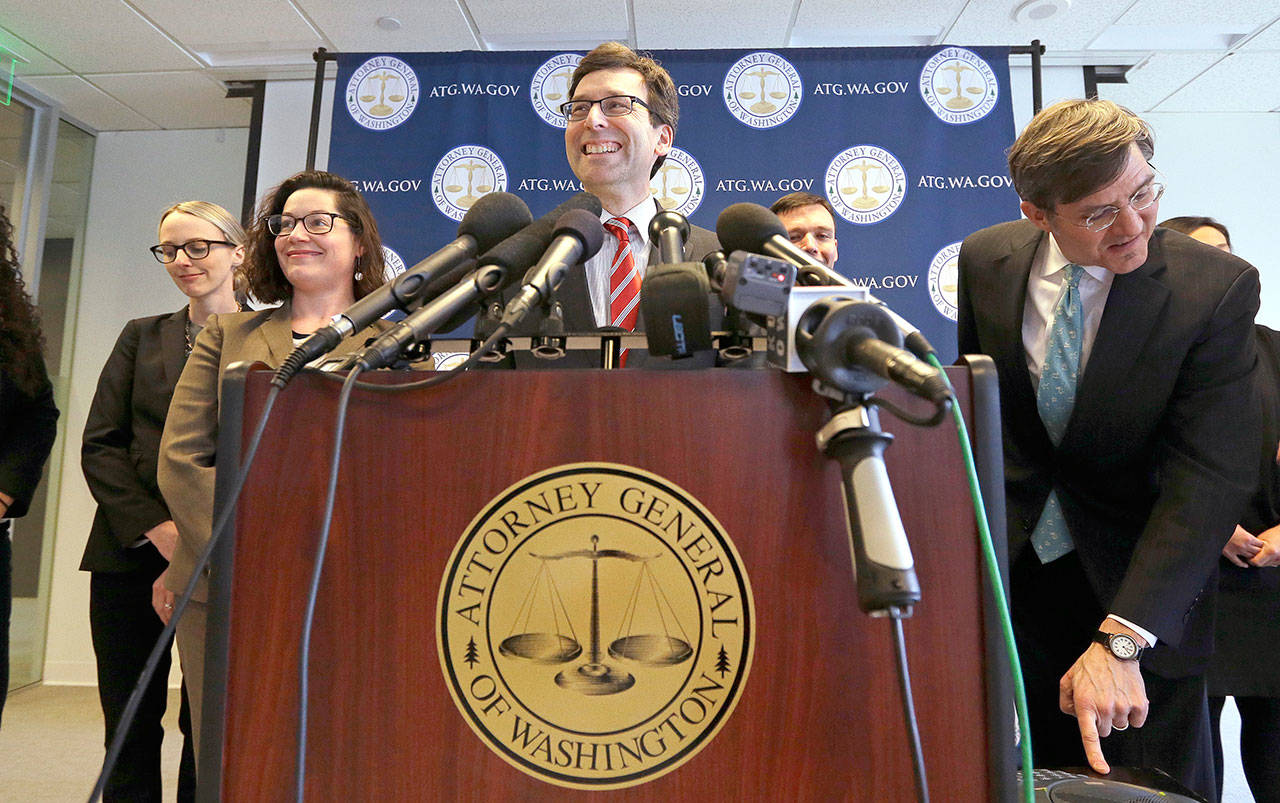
(1073, 148)
(230, 228)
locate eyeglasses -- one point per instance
(315, 222)
(195, 249)
(575, 111)
(1104, 217)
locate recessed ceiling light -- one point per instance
(388, 23)
(1039, 10)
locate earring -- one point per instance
(358, 275)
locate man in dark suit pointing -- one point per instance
(1125, 358)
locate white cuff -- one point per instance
(1146, 634)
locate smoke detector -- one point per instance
(1039, 10)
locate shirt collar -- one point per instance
(1056, 261)
(640, 215)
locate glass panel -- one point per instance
(15, 149)
(61, 254)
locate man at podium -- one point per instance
(621, 120)
(1125, 356)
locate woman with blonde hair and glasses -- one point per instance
(133, 537)
(315, 249)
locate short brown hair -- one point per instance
(266, 280)
(1074, 148)
(1189, 223)
(664, 104)
(799, 200)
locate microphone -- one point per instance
(493, 217)
(670, 230)
(577, 237)
(496, 270)
(751, 227)
(855, 345)
(673, 296)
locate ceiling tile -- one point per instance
(177, 99)
(1243, 82)
(1267, 39)
(89, 104)
(673, 24)
(1159, 77)
(96, 36)
(1250, 13)
(829, 23)
(1073, 29)
(353, 27)
(32, 61)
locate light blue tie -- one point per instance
(1054, 399)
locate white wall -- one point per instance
(1224, 166)
(286, 124)
(136, 176)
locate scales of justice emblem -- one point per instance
(958, 86)
(382, 93)
(595, 676)
(865, 184)
(595, 626)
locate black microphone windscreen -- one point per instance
(493, 218)
(525, 247)
(746, 227)
(586, 227)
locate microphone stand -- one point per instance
(884, 570)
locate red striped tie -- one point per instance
(624, 280)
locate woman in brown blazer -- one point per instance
(314, 249)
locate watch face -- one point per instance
(1123, 647)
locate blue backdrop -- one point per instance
(907, 143)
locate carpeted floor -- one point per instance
(51, 744)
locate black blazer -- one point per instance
(28, 426)
(1159, 456)
(122, 442)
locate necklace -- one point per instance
(188, 327)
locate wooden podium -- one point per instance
(818, 716)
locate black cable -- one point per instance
(349, 383)
(180, 605)
(909, 706)
(435, 379)
(304, 648)
(940, 410)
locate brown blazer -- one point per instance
(188, 450)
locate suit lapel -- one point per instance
(1133, 309)
(275, 336)
(173, 347)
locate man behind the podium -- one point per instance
(1124, 355)
(620, 122)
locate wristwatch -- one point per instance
(1123, 647)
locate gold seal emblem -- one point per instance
(595, 626)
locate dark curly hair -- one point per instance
(261, 266)
(20, 339)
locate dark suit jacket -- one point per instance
(188, 449)
(28, 426)
(122, 442)
(1159, 456)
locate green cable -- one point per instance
(997, 587)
